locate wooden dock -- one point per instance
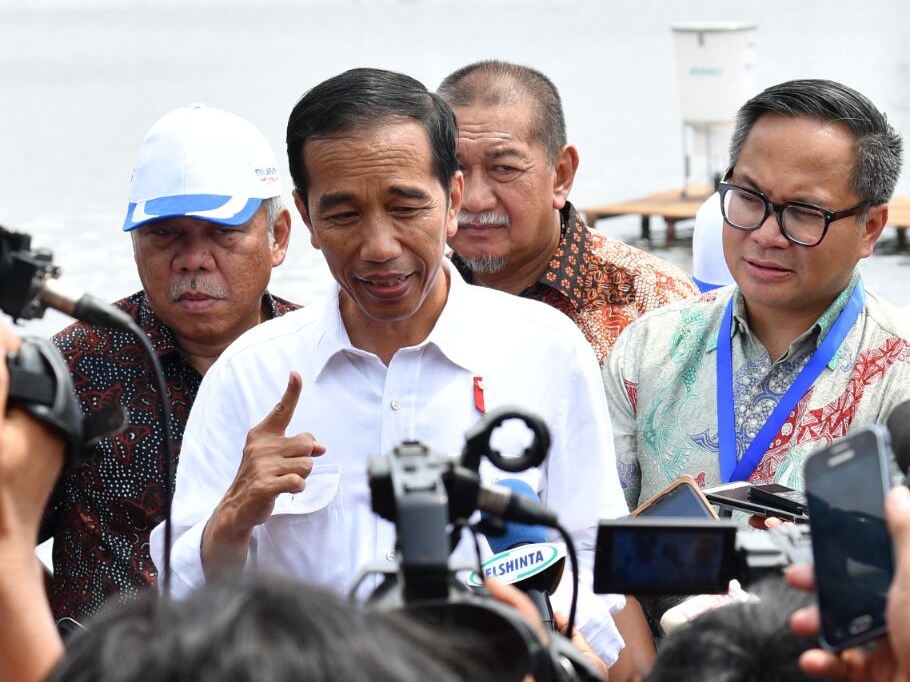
(673, 205)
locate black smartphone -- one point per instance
(737, 496)
(682, 498)
(776, 495)
(664, 556)
(846, 485)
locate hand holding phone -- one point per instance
(846, 485)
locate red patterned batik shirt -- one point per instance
(102, 511)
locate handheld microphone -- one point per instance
(28, 287)
(466, 492)
(514, 500)
(524, 558)
(898, 424)
(81, 305)
(518, 533)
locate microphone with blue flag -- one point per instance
(524, 558)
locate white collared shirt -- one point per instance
(525, 353)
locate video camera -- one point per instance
(431, 498)
(39, 379)
(24, 273)
(677, 556)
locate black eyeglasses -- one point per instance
(801, 223)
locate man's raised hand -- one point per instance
(273, 463)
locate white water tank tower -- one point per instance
(715, 64)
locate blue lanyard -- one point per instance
(730, 470)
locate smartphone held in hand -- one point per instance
(846, 485)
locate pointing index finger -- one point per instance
(278, 419)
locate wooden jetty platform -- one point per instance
(673, 205)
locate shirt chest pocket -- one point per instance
(305, 536)
(322, 487)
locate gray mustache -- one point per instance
(196, 285)
(487, 218)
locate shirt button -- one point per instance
(391, 555)
(396, 404)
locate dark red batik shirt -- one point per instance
(103, 511)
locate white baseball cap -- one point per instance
(203, 163)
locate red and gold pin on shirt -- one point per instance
(478, 396)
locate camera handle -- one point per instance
(477, 441)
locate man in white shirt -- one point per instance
(404, 350)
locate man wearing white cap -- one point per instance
(207, 224)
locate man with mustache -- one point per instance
(208, 225)
(517, 231)
(747, 380)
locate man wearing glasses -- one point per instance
(744, 382)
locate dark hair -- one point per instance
(740, 642)
(493, 82)
(877, 146)
(262, 629)
(361, 98)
